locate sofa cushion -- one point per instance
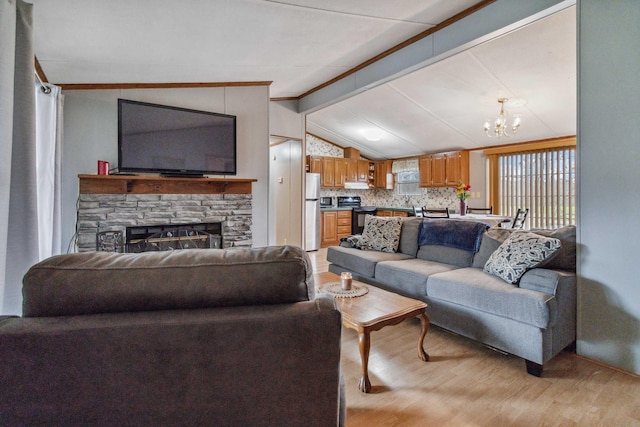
(409, 276)
(476, 289)
(103, 282)
(381, 233)
(409, 236)
(519, 253)
(565, 259)
(446, 255)
(359, 261)
(491, 241)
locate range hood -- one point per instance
(356, 185)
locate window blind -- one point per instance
(543, 181)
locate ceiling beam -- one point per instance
(491, 21)
(107, 86)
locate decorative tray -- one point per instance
(335, 289)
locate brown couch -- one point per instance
(193, 337)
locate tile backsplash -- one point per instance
(430, 197)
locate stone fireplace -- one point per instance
(113, 203)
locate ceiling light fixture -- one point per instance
(500, 127)
(373, 134)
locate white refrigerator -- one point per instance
(312, 212)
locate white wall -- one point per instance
(286, 172)
(478, 181)
(90, 134)
(608, 167)
(284, 119)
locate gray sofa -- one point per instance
(192, 337)
(534, 318)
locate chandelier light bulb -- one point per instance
(500, 127)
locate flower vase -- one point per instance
(463, 208)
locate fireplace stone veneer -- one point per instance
(115, 212)
(113, 203)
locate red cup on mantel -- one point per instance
(103, 167)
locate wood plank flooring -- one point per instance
(467, 384)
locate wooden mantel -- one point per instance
(144, 184)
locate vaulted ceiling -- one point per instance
(300, 44)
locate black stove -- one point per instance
(359, 211)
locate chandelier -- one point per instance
(500, 126)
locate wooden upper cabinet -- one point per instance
(438, 170)
(382, 170)
(352, 170)
(315, 164)
(424, 166)
(363, 170)
(444, 169)
(457, 167)
(328, 172)
(340, 171)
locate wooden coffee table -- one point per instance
(372, 312)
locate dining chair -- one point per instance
(435, 213)
(418, 212)
(521, 216)
(487, 211)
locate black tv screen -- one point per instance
(175, 141)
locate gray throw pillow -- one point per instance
(566, 257)
(491, 241)
(381, 233)
(520, 252)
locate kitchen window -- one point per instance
(407, 177)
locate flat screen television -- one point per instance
(175, 141)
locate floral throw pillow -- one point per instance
(520, 252)
(381, 233)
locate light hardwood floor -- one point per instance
(467, 384)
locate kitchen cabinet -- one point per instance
(335, 225)
(444, 169)
(339, 172)
(332, 170)
(315, 164)
(424, 165)
(457, 167)
(344, 224)
(371, 176)
(335, 171)
(329, 229)
(327, 178)
(383, 176)
(352, 170)
(363, 171)
(390, 212)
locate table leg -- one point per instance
(364, 343)
(424, 321)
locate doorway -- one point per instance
(285, 191)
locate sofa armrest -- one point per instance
(544, 280)
(563, 285)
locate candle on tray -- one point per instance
(345, 280)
